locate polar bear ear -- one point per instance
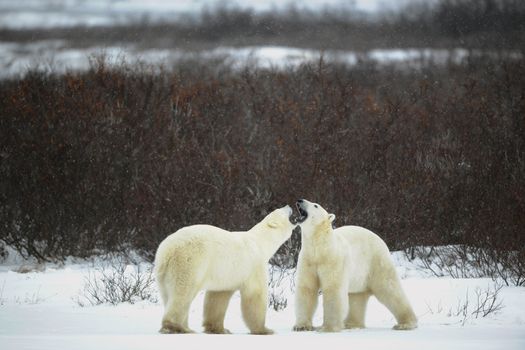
(273, 224)
(331, 217)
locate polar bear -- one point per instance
(205, 257)
(348, 264)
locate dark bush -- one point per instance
(123, 156)
(471, 24)
(460, 17)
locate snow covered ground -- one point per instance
(17, 58)
(58, 55)
(54, 55)
(38, 310)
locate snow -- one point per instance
(38, 310)
(17, 58)
(57, 56)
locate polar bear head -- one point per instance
(274, 230)
(281, 218)
(313, 217)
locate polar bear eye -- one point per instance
(315, 205)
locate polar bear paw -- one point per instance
(354, 326)
(303, 328)
(265, 331)
(216, 330)
(171, 328)
(405, 326)
(330, 329)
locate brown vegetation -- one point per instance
(124, 156)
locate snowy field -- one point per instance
(53, 55)
(39, 310)
(58, 55)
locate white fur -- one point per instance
(205, 257)
(348, 264)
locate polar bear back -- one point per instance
(362, 237)
(223, 259)
(366, 253)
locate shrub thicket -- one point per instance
(126, 155)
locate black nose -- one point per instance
(300, 200)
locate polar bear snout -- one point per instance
(291, 215)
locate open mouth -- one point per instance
(303, 214)
(300, 216)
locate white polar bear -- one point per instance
(204, 257)
(348, 264)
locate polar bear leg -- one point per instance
(163, 293)
(391, 294)
(335, 305)
(306, 299)
(253, 305)
(175, 319)
(215, 306)
(357, 309)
